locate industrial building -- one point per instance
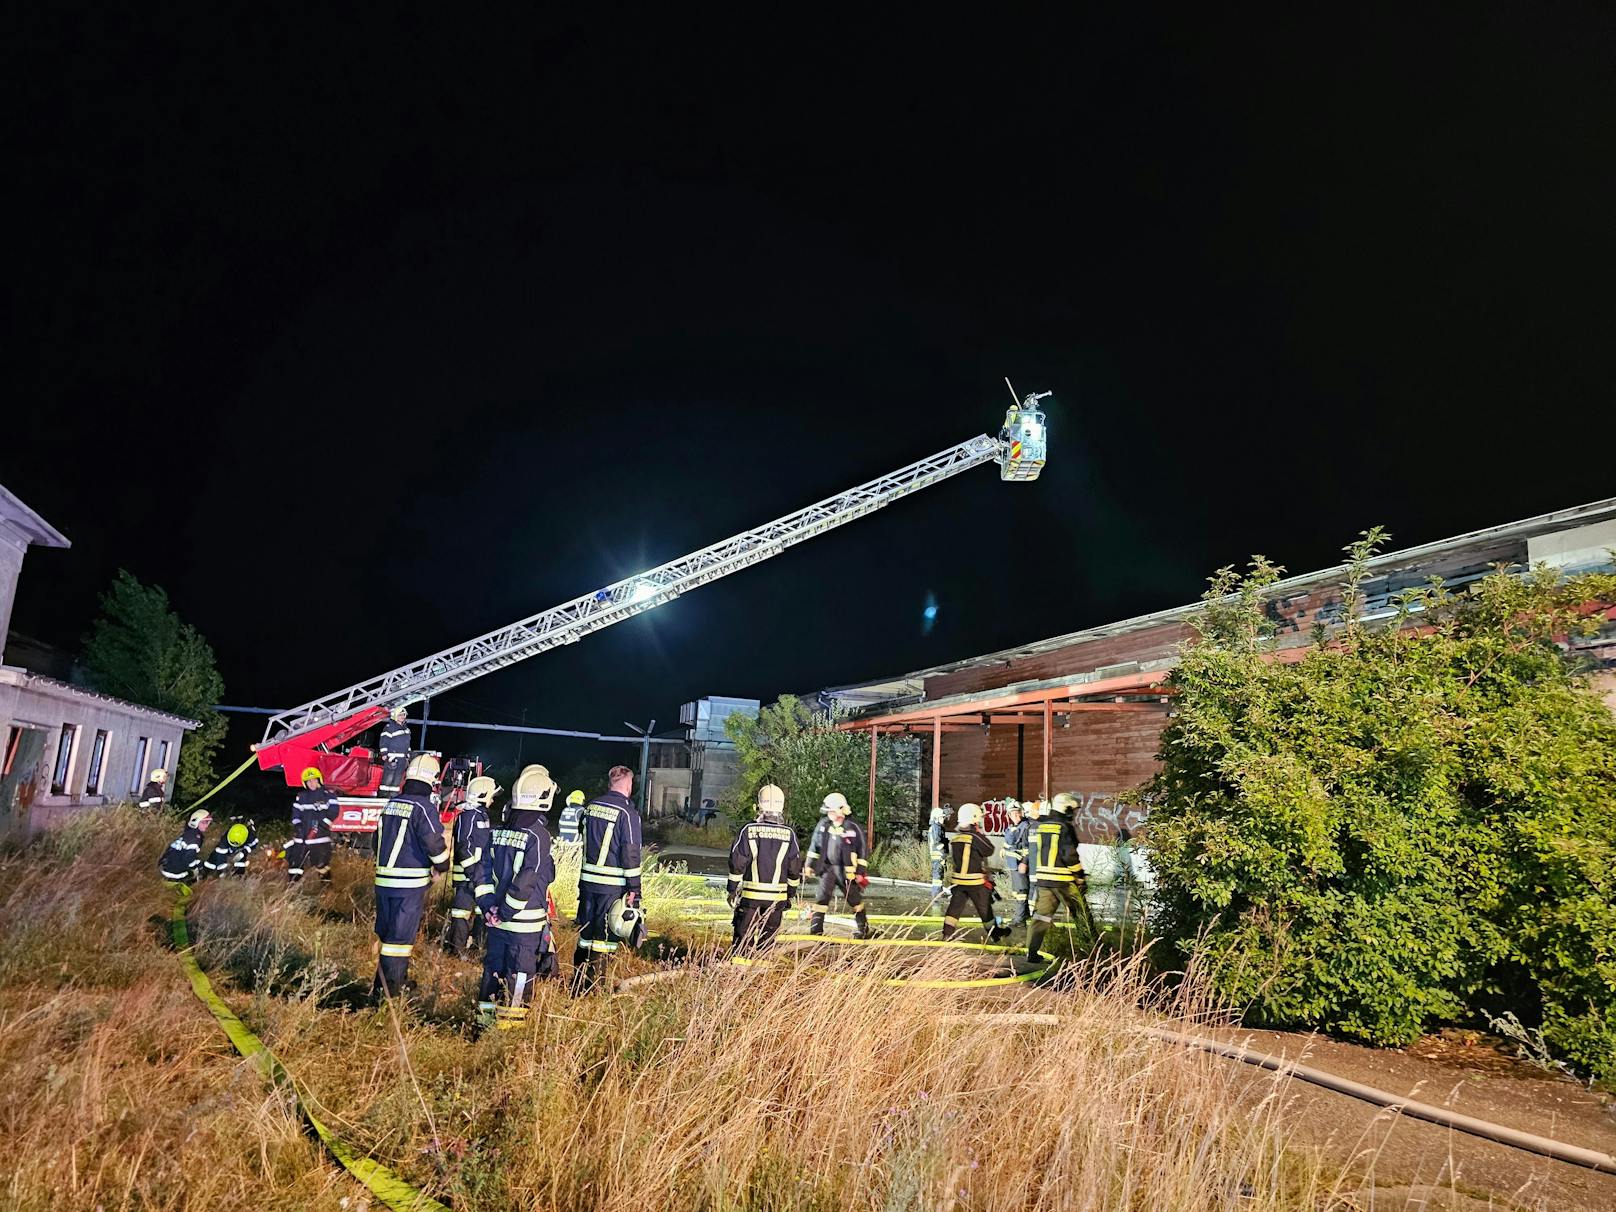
(66, 748)
(1084, 712)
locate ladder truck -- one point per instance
(312, 734)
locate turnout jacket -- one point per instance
(837, 849)
(183, 856)
(395, 741)
(471, 842)
(611, 836)
(1055, 858)
(936, 841)
(1015, 847)
(765, 863)
(570, 815)
(313, 810)
(516, 878)
(409, 840)
(151, 797)
(968, 853)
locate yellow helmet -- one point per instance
(533, 790)
(482, 790)
(310, 772)
(400, 713)
(423, 768)
(968, 815)
(1063, 803)
(236, 835)
(575, 797)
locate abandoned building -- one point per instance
(1084, 712)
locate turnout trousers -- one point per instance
(974, 896)
(463, 919)
(830, 883)
(1020, 885)
(306, 854)
(510, 966)
(398, 919)
(393, 775)
(595, 941)
(1050, 899)
(756, 923)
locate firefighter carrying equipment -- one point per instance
(610, 830)
(530, 797)
(409, 849)
(313, 811)
(837, 851)
(765, 870)
(623, 919)
(514, 895)
(184, 853)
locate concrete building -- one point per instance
(713, 764)
(66, 748)
(1084, 712)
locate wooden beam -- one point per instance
(1132, 683)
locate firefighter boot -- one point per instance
(861, 924)
(816, 921)
(998, 934)
(1035, 940)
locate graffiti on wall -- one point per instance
(1099, 816)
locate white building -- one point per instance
(66, 748)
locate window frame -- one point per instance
(96, 774)
(67, 748)
(137, 781)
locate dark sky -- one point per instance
(362, 338)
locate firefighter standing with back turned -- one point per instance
(610, 874)
(514, 895)
(765, 867)
(409, 850)
(570, 815)
(836, 851)
(969, 851)
(313, 810)
(152, 797)
(395, 752)
(1058, 874)
(471, 841)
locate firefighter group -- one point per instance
(501, 873)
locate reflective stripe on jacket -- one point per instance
(765, 863)
(968, 855)
(611, 837)
(409, 840)
(516, 879)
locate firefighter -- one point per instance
(765, 867)
(609, 880)
(1015, 862)
(937, 847)
(471, 842)
(836, 851)
(530, 798)
(513, 891)
(395, 752)
(1057, 873)
(968, 853)
(230, 852)
(409, 850)
(570, 816)
(184, 853)
(313, 810)
(152, 797)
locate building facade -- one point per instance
(66, 748)
(1084, 712)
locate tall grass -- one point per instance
(801, 1084)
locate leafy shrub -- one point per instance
(1408, 824)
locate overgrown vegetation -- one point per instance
(800, 750)
(1412, 823)
(713, 1088)
(140, 650)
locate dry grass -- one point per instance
(904, 858)
(777, 1087)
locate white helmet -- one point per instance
(400, 713)
(623, 919)
(200, 819)
(939, 815)
(482, 790)
(836, 802)
(1063, 803)
(423, 768)
(533, 791)
(1011, 805)
(771, 802)
(159, 776)
(969, 815)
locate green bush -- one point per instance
(1410, 824)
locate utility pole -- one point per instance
(645, 761)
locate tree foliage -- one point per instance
(790, 744)
(140, 650)
(1411, 823)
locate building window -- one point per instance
(137, 777)
(162, 756)
(98, 755)
(64, 759)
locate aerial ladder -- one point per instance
(311, 734)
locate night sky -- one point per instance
(362, 339)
